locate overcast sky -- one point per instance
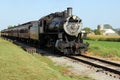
(92, 12)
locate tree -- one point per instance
(97, 32)
(118, 31)
(108, 26)
(87, 29)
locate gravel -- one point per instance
(81, 69)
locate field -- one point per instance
(103, 38)
(16, 64)
(107, 49)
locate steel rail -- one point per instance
(96, 65)
(102, 60)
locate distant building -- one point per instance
(107, 30)
(100, 27)
(83, 31)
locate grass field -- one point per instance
(105, 49)
(16, 64)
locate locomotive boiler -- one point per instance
(61, 30)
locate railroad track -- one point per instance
(108, 67)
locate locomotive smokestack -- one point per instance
(69, 11)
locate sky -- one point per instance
(92, 12)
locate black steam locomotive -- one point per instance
(60, 30)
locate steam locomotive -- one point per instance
(60, 30)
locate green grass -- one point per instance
(16, 64)
(104, 48)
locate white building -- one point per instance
(107, 31)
